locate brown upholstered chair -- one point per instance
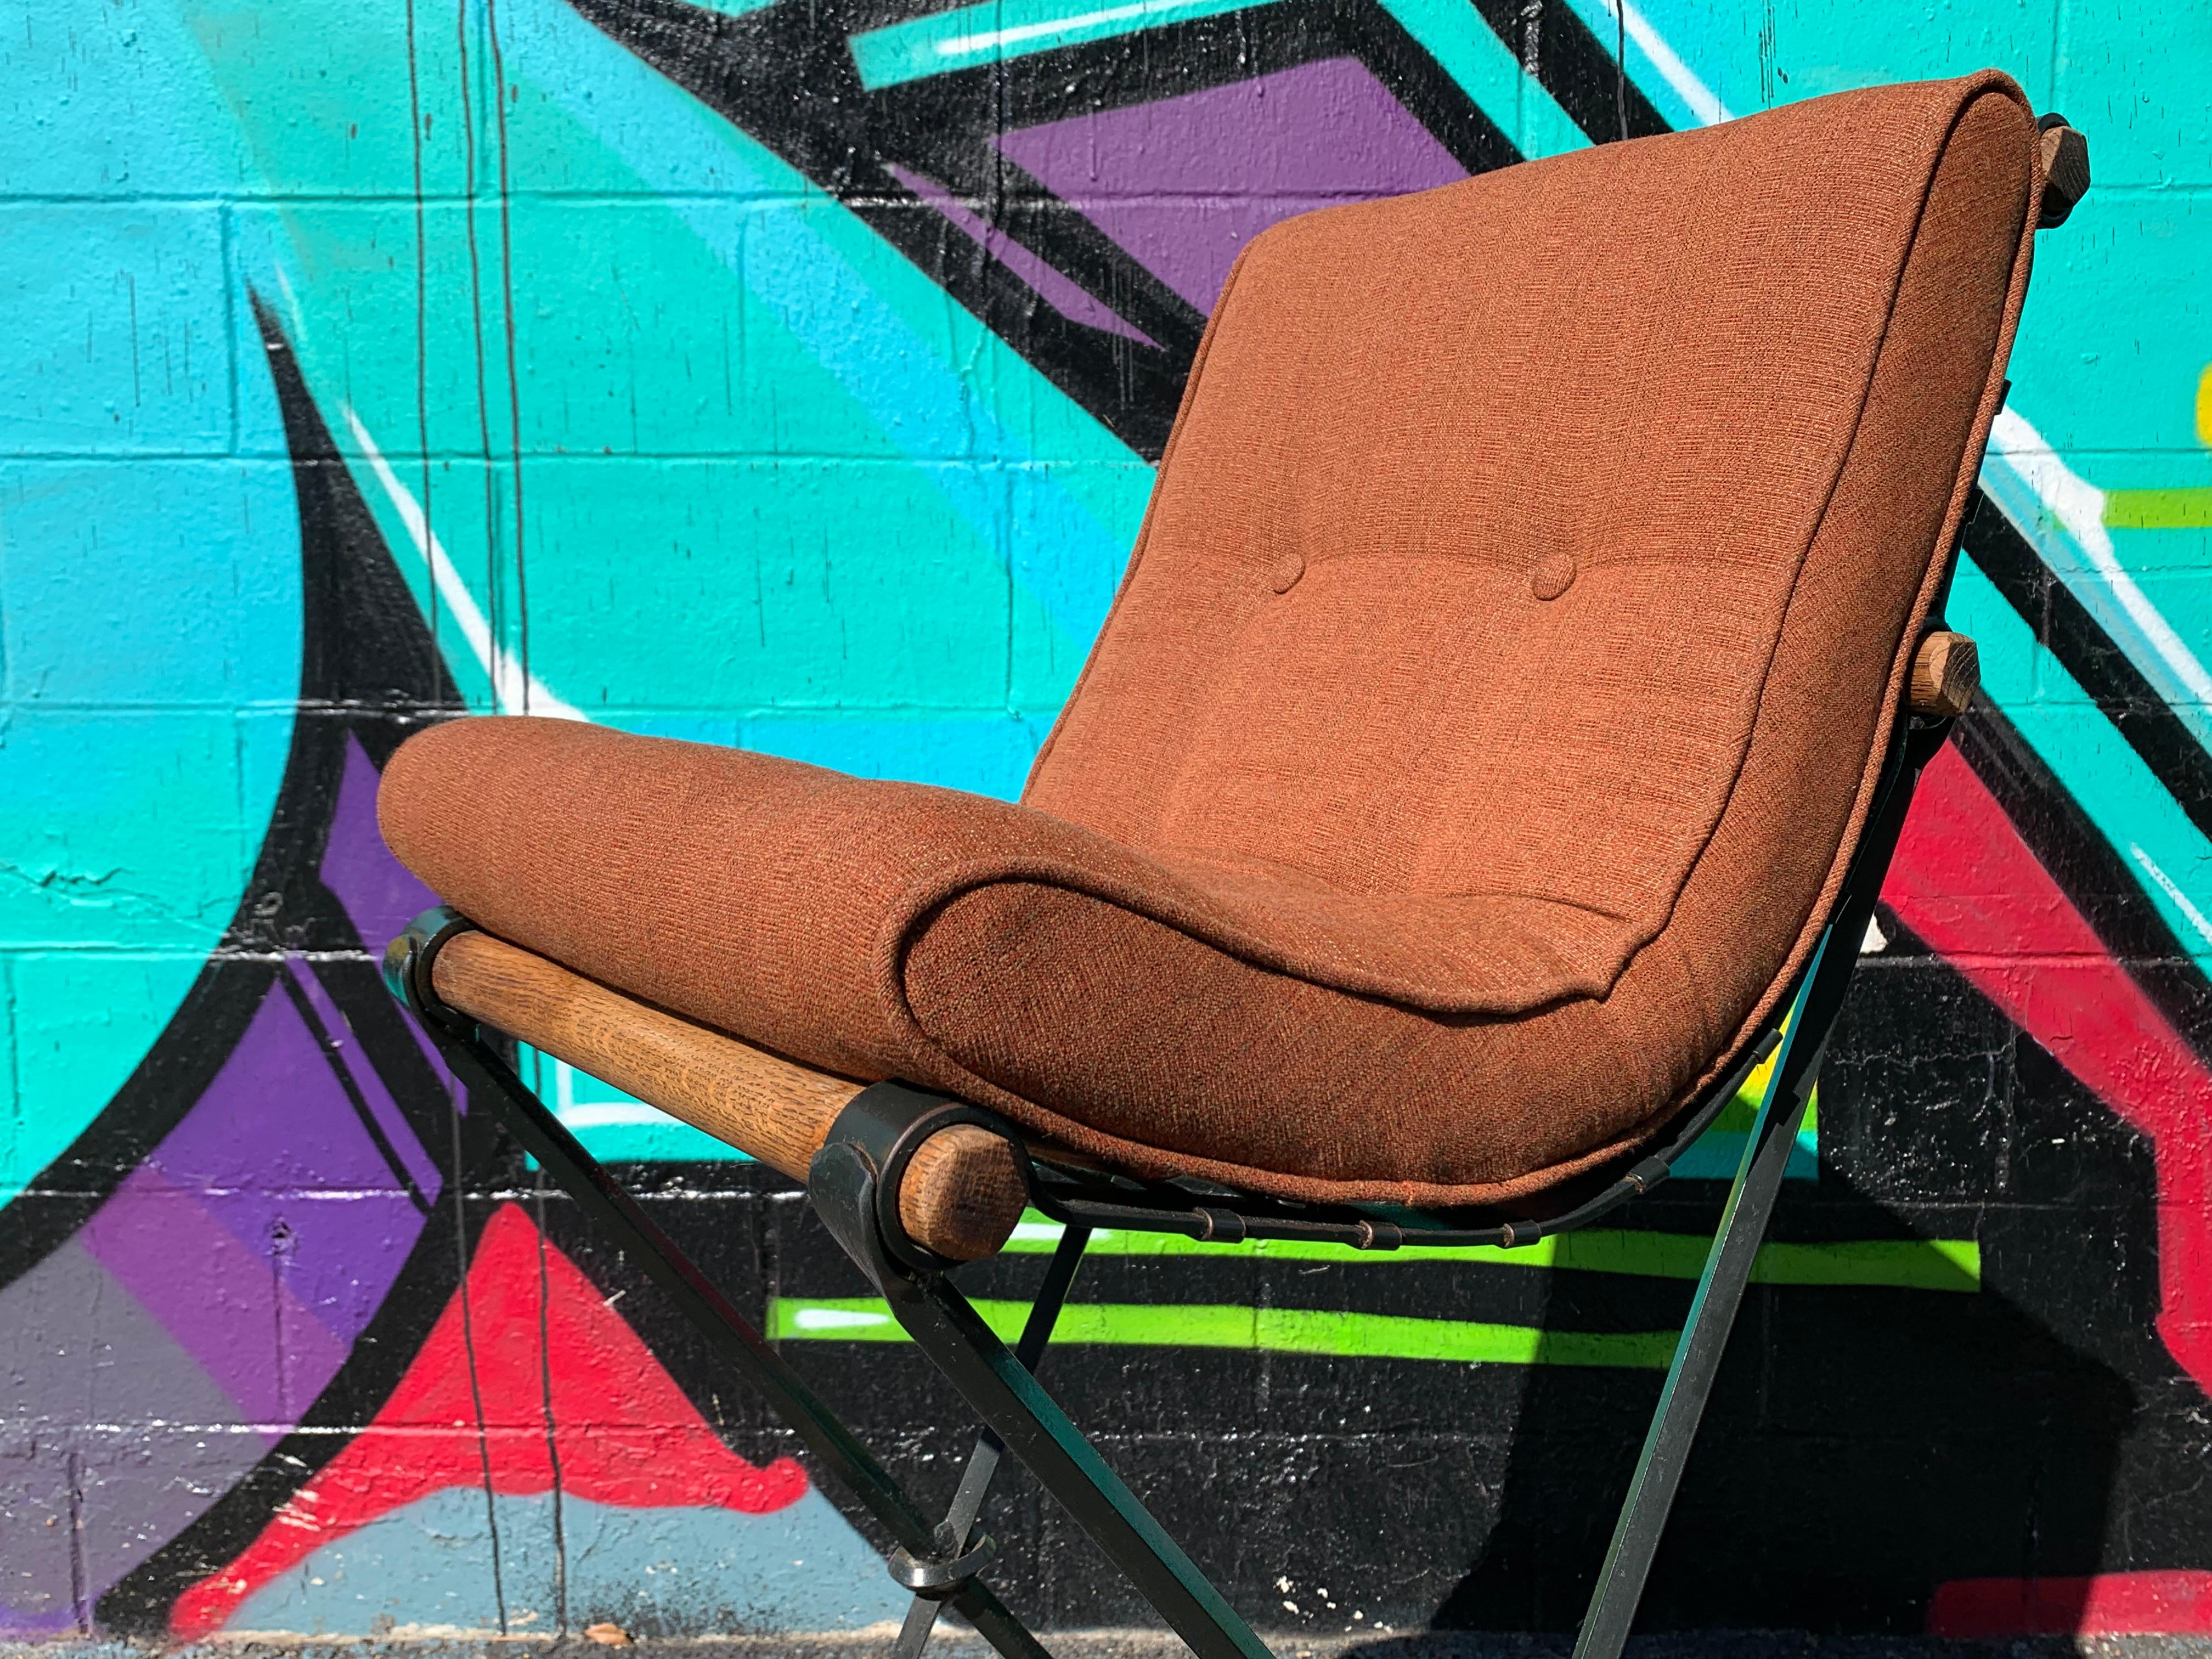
(1493, 753)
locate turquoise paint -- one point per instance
(740, 409)
(117, 106)
(1718, 1154)
(149, 564)
(923, 624)
(990, 756)
(2102, 365)
(1750, 58)
(996, 30)
(2153, 604)
(1675, 90)
(1462, 43)
(2165, 853)
(614, 1126)
(117, 340)
(2116, 334)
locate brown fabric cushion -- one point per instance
(1477, 742)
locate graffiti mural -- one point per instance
(790, 374)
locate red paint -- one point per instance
(627, 1434)
(1966, 882)
(2109, 1604)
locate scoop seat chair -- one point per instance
(1487, 770)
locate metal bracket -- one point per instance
(408, 961)
(885, 1124)
(938, 1578)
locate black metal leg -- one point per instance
(1712, 1312)
(733, 1337)
(959, 1526)
(1009, 1400)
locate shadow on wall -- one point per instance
(1963, 1464)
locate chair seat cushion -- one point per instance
(888, 929)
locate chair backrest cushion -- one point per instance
(1469, 563)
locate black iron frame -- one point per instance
(854, 1183)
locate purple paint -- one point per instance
(1062, 293)
(274, 1150)
(122, 1415)
(275, 1118)
(378, 892)
(225, 1302)
(224, 1282)
(27, 1626)
(381, 1106)
(1184, 183)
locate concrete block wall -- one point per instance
(791, 375)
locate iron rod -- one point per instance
(1697, 1354)
(959, 1525)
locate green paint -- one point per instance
(2186, 508)
(1914, 1264)
(1272, 1330)
(1000, 29)
(1909, 1264)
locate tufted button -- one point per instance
(1283, 575)
(1551, 575)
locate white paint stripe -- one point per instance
(1703, 102)
(2078, 507)
(961, 45)
(291, 303)
(2196, 917)
(512, 692)
(835, 1319)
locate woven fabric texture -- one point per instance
(1483, 726)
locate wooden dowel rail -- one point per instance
(963, 1191)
